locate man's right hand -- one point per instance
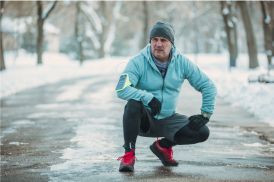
(155, 106)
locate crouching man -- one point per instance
(151, 83)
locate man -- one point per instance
(151, 83)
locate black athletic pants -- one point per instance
(135, 117)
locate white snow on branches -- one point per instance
(225, 11)
(267, 20)
(92, 17)
(46, 11)
(230, 24)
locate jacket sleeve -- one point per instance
(201, 83)
(130, 92)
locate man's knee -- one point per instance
(133, 107)
(204, 133)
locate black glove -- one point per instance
(197, 121)
(155, 106)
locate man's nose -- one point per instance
(158, 43)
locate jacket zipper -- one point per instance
(163, 91)
(162, 88)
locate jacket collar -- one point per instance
(146, 53)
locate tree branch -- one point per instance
(50, 10)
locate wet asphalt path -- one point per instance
(72, 131)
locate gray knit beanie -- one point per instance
(164, 29)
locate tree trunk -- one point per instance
(267, 33)
(231, 32)
(40, 24)
(77, 36)
(271, 5)
(250, 37)
(104, 31)
(2, 61)
(145, 31)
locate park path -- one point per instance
(72, 131)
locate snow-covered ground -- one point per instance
(258, 98)
(233, 86)
(23, 73)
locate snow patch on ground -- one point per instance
(52, 106)
(93, 144)
(74, 91)
(14, 143)
(21, 122)
(254, 145)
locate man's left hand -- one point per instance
(197, 121)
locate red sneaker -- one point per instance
(165, 155)
(127, 163)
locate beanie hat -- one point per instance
(164, 29)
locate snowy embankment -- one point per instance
(233, 86)
(23, 73)
(257, 98)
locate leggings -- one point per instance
(135, 117)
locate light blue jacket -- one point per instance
(147, 82)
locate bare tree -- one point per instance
(77, 33)
(267, 31)
(250, 36)
(228, 13)
(146, 24)
(42, 16)
(109, 13)
(2, 61)
(105, 18)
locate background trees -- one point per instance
(2, 62)
(42, 15)
(97, 29)
(250, 36)
(230, 21)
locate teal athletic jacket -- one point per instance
(147, 82)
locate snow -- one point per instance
(92, 17)
(46, 11)
(225, 11)
(92, 36)
(233, 86)
(111, 33)
(19, 25)
(267, 20)
(268, 52)
(230, 24)
(49, 28)
(74, 92)
(254, 144)
(32, 75)
(23, 122)
(234, 19)
(14, 143)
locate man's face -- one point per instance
(160, 47)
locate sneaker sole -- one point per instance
(126, 169)
(161, 158)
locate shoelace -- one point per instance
(170, 153)
(127, 156)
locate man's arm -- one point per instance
(203, 84)
(130, 92)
